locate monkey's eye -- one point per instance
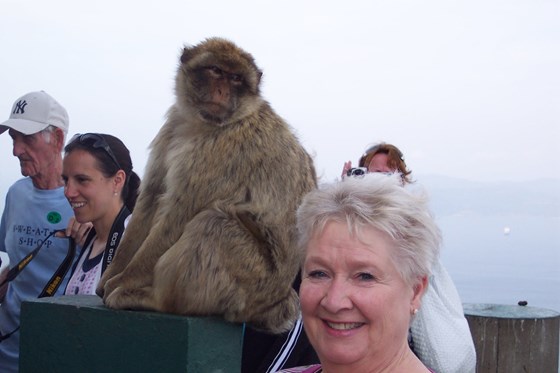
(236, 78)
(216, 71)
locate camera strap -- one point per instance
(53, 284)
(115, 235)
(15, 271)
(55, 281)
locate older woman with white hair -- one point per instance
(369, 246)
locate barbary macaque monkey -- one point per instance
(213, 231)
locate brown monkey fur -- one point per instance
(213, 231)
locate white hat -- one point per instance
(34, 112)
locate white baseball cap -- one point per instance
(34, 112)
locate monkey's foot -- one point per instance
(100, 290)
(280, 317)
(110, 285)
(107, 276)
(126, 298)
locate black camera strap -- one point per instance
(54, 283)
(115, 235)
(15, 271)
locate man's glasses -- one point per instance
(97, 142)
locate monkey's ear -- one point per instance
(187, 54)
(259, 76)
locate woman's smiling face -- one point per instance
(356, 307)
(89, 192)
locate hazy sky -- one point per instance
(465, 88)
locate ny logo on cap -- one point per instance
(20, 107)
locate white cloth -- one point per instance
(440, 332)
(85, 282)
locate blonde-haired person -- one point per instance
(369, 246)
(439, 334)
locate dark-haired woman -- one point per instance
(384, 158)
(101, 188)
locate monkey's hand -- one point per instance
(105, 289)
(136, 299)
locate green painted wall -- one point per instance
(79, 334)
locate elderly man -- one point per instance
(35, 208)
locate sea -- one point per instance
(501, 241)
(503, 259)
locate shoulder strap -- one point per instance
(89, 238)
(114, 238)
(87, 242)
(15, 270)
(56, 279)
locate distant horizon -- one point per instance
(487, 264)
(9, 178)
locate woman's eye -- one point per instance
(317, 274)
(364, 276)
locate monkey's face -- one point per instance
(218, 81)
(220, 92)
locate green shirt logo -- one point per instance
(54, 217)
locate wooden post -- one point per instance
(79, 334)
(511, 339)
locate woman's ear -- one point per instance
(419, 288)
(119, 180)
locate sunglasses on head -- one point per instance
(96, 141)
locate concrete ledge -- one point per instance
(79, 334)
